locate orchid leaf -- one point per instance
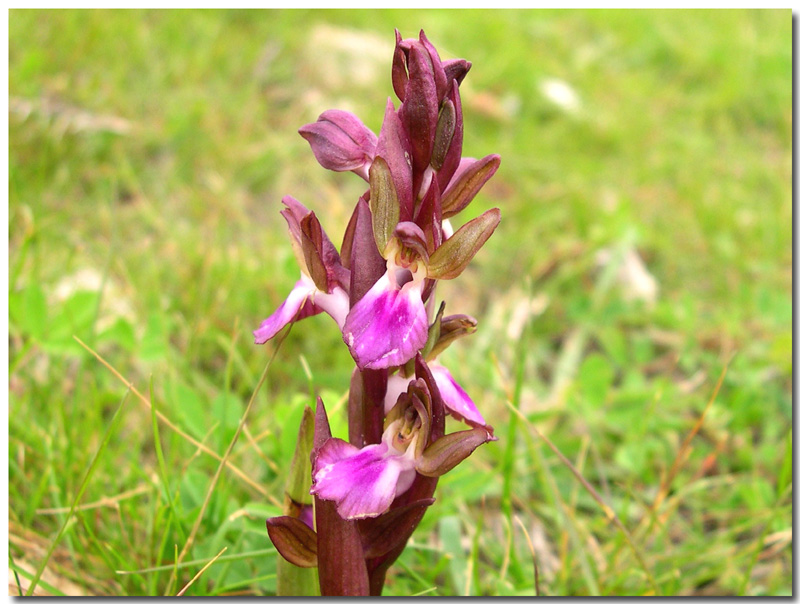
(299, 481)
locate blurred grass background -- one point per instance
(645, 250)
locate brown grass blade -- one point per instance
(202, 447)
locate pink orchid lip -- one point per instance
(305, 300)
(363, 482)
(388, 326)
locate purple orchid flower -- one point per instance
(365, 482)
(389, 325)
(320, 285)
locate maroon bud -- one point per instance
(456, 69)
(452, 158)
(395, 147)
(399, 68)
(420, 111)
(439, 76)
(341, 142)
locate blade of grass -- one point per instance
(220, 591)
(202, 447)
(533, 555)
(106, 437)
(663, 489)
(569, 522)
(103, 502)
(16, 575)
(201, 571)
(54, 591)
(162, 466)
(193, 534)
(229, 558)
(607, 510)
(103, 548)
(759, 546)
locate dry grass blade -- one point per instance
(84, 483)
(223, 461)
(533, 554)
(607, 510)
(683, 451)
(201, 571)
(271, 551)
(105, 502)
(202, 447)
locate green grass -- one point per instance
(152, 149)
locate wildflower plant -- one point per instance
(351, 507)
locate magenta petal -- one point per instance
(292, 309)
(363, 482)
(387, 327)
(457, 401)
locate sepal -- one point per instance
(466, 184)
(452, 159)
(452, 328)
(294, 540)
(445, 128)
(453, 256)
(383, 202)
(450, 450)
(456, 69)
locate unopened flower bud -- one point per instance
(341, 142)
